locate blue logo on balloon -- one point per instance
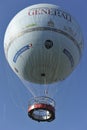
(23, 49)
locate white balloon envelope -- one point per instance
(43, 44)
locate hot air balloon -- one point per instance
(43, 44)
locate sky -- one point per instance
(71, 99)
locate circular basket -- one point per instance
(42, 109)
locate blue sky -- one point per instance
(71, 100)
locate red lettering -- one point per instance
(31, 12)
(49, 11)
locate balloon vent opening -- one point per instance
(43, 74)
(42, 109)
